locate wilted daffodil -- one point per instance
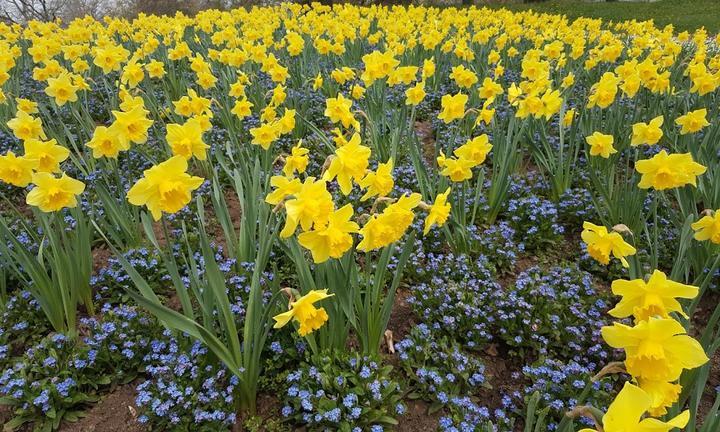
(667, 171)
(647, 133)
(601, 145)
(708, 228)
(438, 212)
(165, 187)
(17, 171)
(655, 298)
(626, 411)
(657, 349)
(601, 244)
(333, 239)
(52, 194)
(693, 121)
(453, 107)
(303, 311)
(348, 163)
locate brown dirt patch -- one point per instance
(115, 412)
(417, 419)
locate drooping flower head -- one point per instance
(601, 244)
(304, 312)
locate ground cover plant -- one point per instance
(359, 218)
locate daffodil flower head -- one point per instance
(439, 212)
(647, 133)
(601, 145)
(601, 244)
(17, 171)
(51, 194)
(165, 187)
(48, 154)
(667, 171)
(311, 205)
(655, 298)
(625, 414)
(708, 228)
(304, 312)
(379, 182)
(333, 239)
(349, 163)
(657, 349)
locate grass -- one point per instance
(683, 14)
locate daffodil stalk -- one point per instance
(58, 275)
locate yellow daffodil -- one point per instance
(657, 349)
(601, 244)
(647, 133)
(474, 150)
(453, 107)
(693, 121)
(303, 311)
(48, 154)
(165, 187)
(439, 212)
(17, 171)
(667, 171)
(333, 239)
(601, 145)
(105, 143)
(62, 89)
(310, 206)
(414, 95)
(186, 140)
(338, 110)
(379, 182)
(132, 126)
(26, 127)
(708, 228)
(349, 163)
(625, 414)
(297, 161)
(655, 298)
(51, 194)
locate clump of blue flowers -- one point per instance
(456, 297)
(186, 389)
(343, 391)
(438, 367)
(554, 312)
(55, 379)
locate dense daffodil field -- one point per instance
(369, 218)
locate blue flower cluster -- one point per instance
(186, 388)
(554, 311)
(59, 376)
(456, 296)
(341, 391)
